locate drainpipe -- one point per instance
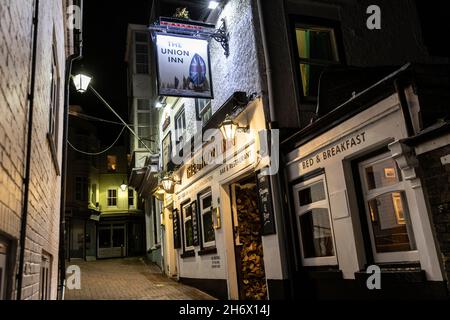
(26, 179)
(276, 182)
(62, 227)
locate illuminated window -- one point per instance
(314, 223)
(206, 214)
(390, 227)
(316, 49)
(112, 163)
(112, 198)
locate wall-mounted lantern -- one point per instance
(229, 128)
(81, 82)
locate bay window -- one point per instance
(387, 212)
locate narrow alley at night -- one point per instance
(241, 154)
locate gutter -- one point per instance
(62, 227)
(26, 179)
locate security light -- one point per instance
(213, 5)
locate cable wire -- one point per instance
(97, 153)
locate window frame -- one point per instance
(301, 210)
(5, 273)
(368, 195)
(108, 197)
(203, 211)
(185, 219)
(132, 205)
(45, 276)
(298, 21)
(146, 113)
(180, 134)
(146, 43)
(83, 183)
(202, 111)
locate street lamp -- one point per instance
(81, 82)
(123, 186)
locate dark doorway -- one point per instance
(248, 242)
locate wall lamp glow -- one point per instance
(123, 186)
(168, 182)
(229, 128)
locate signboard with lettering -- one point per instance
(167, 152)
(266, 205)
(176, 229)
(184, 68)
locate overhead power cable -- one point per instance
(97, 153)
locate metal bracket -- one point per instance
(222, 36)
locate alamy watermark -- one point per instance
(74, 17)
(374, 280)
(374, 20)
(212, 149)
(73, 278)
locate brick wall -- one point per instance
(16, 33)
(436, 182)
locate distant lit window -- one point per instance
(316, 49)
(387, 210)
(112, 198)
(111, 163)
(204, 110)
(81, 189)
(141, 52)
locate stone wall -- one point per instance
(436, 181)
(42, 235)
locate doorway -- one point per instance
(112, 241)
(249, 254)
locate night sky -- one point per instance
(105, 35)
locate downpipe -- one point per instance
(62, 229)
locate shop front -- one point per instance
(218, 222)
(357, 204)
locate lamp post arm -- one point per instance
(119, 117)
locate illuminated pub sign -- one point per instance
(183, 66)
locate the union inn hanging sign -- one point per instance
(182, 56)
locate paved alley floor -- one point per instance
(128, 279)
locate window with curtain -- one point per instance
(316, 49)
